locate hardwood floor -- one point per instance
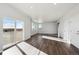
(52, 47)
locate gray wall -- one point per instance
(49, 28)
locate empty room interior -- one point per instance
(39, 28)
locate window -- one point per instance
(19, 24)
(33, 26)
(8, 23)
(40, 25)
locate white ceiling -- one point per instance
(44, 11)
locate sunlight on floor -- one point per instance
(30, 50)
(54, 38)
(12, 51)
(25, 47)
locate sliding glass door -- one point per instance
(12, 31)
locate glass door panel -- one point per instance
(8, 30)
(19, 30)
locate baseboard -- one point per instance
(47, 34)
(34, 34)
(26, 38)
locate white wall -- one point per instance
(74, 30)
(28, 27)
(60, 28)
(1, 36)
(49, 28)
(8, 11)
(69, 27)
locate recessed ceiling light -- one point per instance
(54, 3)
(31, 7)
